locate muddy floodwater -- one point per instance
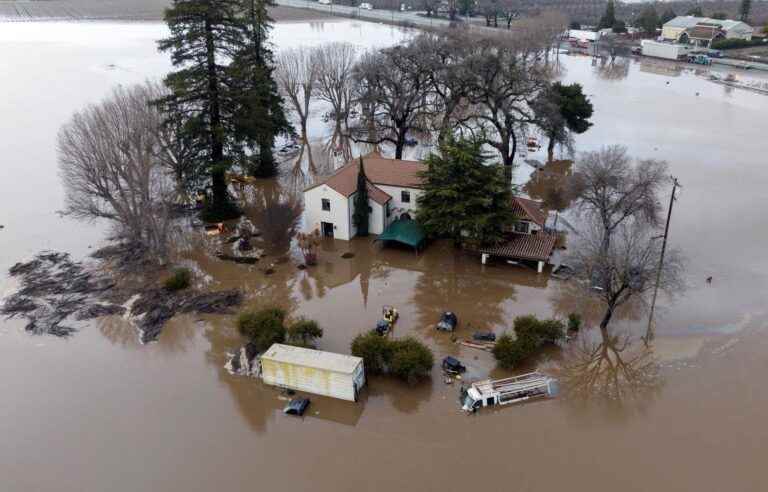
(100, 411)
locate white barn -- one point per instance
(393, 189)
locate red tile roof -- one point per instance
(537, 247)
(380, 171)
(526, 209)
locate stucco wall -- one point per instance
(338, 215)
(396, 203)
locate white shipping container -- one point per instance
(313, 371)
(668, 51)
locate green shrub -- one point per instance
(574, 322)
(304, 332)
(411, 360)
(180, 279)
(531, 334)
(263, 328)
(729, 44)
(375, 350)
(511, 352)
(406, 358)
(546, 331)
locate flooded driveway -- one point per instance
(99, 411)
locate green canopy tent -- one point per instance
(404, 231)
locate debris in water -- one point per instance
(348, 255)
(52, 288)
(246, 260)
(241, 363)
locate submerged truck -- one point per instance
(313, 371)
(508, 390)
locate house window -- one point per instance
(326, 205)
(522, 227)
(370, 209)
(405, 196)
(386, 207)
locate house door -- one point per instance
(327, 228)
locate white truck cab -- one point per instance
(509, 390)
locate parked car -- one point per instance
(297, 407)
(411, 142)
(324, 2)
(366, 6)
(453, 365)
(484, 336)
(448, 321)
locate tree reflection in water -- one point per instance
(614, 372)
(613, 69)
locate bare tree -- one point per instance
(444, 55)
(111, 159)
(626, 270)
(508, 74)
(610, 188)
(296, 77)
(334, 63)
(393, 89)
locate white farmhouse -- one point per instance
(393, 188)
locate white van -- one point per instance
(324, 2)
(366, 6)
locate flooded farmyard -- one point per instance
(101, 411)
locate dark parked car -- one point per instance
(448, 321)
(452, 364)
(484, 336)
(297, 406)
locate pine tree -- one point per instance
(203, 33)
(261, 116)
(745, 9)
(609, 17)
(360, 217)
(667, 16)
(464, 198)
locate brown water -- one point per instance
(99, 411)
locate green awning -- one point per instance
(405, 231)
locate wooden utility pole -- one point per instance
(649, 332)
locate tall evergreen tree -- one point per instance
(204, 33)
(465, 198)
(667, 16)
(609, 17)
(648, 20)
(360, 217)
(261, 116)
(745, 9)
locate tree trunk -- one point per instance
(551, 149)
(218, 185)
(606, 319)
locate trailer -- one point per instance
(668, 51)
(313, 371)
(508, 390)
